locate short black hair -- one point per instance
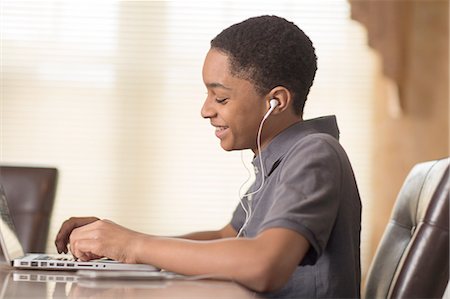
(270, 51)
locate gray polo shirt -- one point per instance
(310, 188)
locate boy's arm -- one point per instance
(263, 263)
(226, 232)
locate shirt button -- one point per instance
(256, 169)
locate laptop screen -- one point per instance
(8, 237)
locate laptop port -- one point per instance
(34, 264)
(24, 263)
(43, 264)
(70, 265)
(84, 265)
(51, 264)
(60, 264)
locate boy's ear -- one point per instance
(284, 98)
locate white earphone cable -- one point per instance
(248, 212)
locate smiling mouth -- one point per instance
(221, 128)
(220, 131)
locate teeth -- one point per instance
(220, 128)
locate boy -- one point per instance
(296, 233)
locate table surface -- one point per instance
(61, 284)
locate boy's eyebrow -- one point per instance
(217, 85)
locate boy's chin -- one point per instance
(230, 148)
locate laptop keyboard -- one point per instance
(55, 257)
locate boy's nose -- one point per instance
(207, 110)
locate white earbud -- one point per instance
(273, 104)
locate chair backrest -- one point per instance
(30, 192)
(412, 259)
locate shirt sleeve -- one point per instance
(307, 193)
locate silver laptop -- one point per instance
(14, 253)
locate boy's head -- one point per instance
(270, 51)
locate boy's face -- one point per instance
(232, 104)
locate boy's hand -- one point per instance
(62, 238)
(104, 238)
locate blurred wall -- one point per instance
(411, 112)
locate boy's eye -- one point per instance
(221, 101)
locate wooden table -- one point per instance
(59, 284)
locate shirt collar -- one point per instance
(281, 143)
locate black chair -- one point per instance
(31, 193)
(412, 259)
